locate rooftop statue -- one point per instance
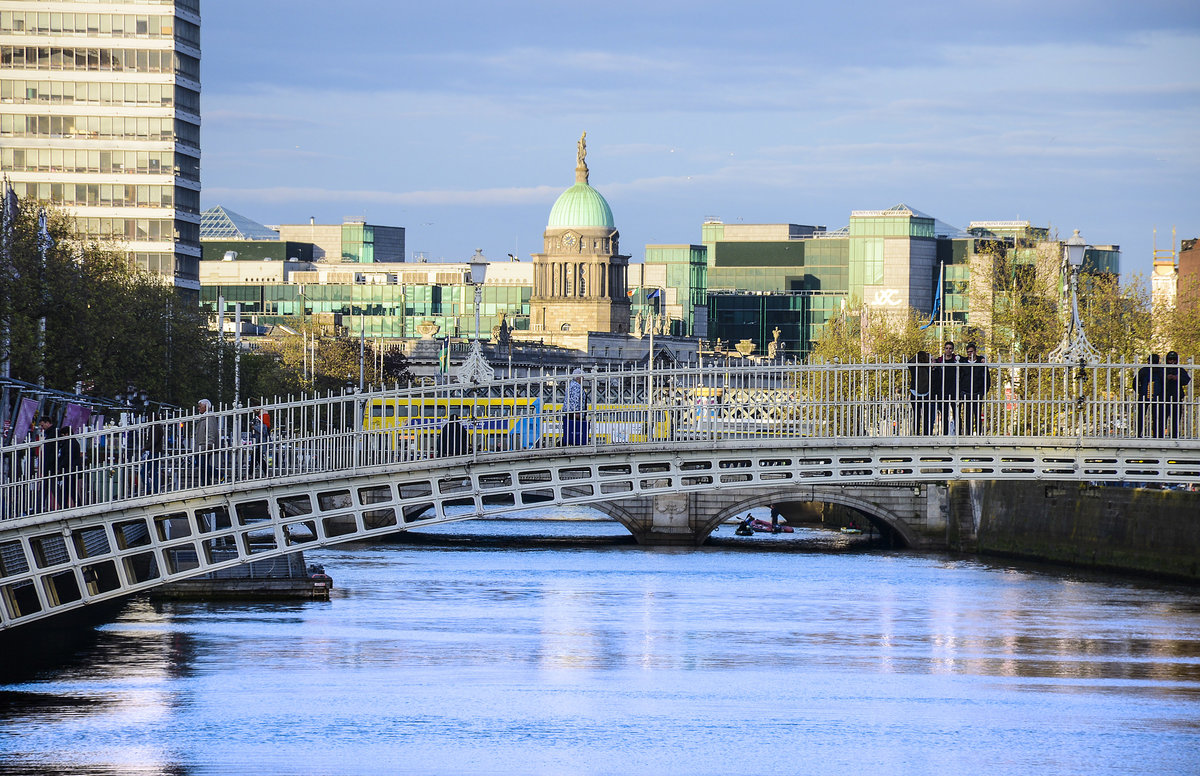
(581, 168)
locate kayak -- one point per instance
(846, 530)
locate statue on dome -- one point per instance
(581, 168)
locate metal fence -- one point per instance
(694, 406)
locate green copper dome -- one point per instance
(580, 206)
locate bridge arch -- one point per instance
(883, 518)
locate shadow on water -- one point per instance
(70, 640)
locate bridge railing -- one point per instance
(689, 406)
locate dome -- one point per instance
(581, 207)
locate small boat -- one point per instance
(762, 526)
(851, 530)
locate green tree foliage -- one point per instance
(1115, 315)
(311, 357)
(1015, 293)
(107, 324)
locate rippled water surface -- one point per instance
(534, 647)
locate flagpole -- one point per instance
(43, 245)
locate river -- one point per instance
(535, 647)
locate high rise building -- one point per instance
(100, 115)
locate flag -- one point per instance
(937, 300)
(444, 357)
(633, 291)
(653, 294)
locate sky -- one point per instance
(458, 120)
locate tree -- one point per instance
(1115, 315)
(107, 324)
(1015, 293)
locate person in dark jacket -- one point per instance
(945, 384)
(1174, 387)
(1149, 391)
(920, 387)
(973, 383)
(453, 438)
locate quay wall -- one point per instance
(1142, 530)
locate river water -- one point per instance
(536, 647)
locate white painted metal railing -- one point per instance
(843, 404)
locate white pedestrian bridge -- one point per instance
(671, 453)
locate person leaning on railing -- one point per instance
(945, 385)
(1175, 380)
(973, 383)
(1149, 392)
(920, 388)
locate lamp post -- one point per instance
(475, 368)
(1074, 346)
(478, 265)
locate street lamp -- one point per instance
(1074, 346)
(478, 265)
(475, 368)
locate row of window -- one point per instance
(168, 264)
(79, 160)
(94, 25)
(110, 195)
(100, 59)
(95, 127)
(187, 5)
(155, 229)
(96, 93)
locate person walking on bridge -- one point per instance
(206, 438)
(575, 431)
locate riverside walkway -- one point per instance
(354, 466)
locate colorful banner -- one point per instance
(24, 424)
(76, 417)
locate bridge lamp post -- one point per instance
(476, 368)
(1075, 347)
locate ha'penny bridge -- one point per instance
(669, 453)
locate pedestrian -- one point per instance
(973, 384)
(453, 438)
(70, 464)
(48, 461)
(1147, 394)
(1174, 387)
(154, 448)
(920, 381)
(575, 430)
(945, 386)
(260, 436)
(206, 439)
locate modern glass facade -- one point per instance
(381, 310)
(100, 114)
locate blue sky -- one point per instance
(458, 120)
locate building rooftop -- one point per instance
(220, 223)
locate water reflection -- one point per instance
(486, 651)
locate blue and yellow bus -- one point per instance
(506, 423)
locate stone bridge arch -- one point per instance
(898, 512)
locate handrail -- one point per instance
(686, 406)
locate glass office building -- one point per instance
(100, 115)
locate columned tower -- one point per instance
(579, 278)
